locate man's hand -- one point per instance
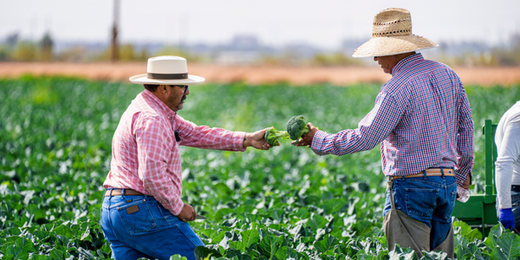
(257, 140)
(187, 213)
(308, 137)
(467, 183)
(507, 218)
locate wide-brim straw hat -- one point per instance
(391, 35)
(167, 70)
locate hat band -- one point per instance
(167, 76)
(393, 33)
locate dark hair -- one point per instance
(151, 87)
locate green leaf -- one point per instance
(222, 189)
(202, 252)
(286, 252)
(230, 222)
(498, 254)
(434, 256)
(333, 206)
(270, 244)
(228, 237)
(277, 214)
(326, 244)
(403, 253)
(509, 245)
(19, 247)
(86, 234)
(236, 254)
(372, 246)
(465, 230)
(250, 237)
(494, 234)
(40, 257)
(58, 252)
(221, 213)
(316, 221)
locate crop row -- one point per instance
(55, 151)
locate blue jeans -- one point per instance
(427, 199)
(515, 203)
(139, 226)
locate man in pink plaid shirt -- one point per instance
(142, 213)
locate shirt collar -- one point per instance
(407, 62)
(162, 107)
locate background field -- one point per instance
(253, 75)
(55, 136)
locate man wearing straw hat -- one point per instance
(422, 119)
(142, 213)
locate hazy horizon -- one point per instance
(325, 25)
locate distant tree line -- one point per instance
(13, 48)
(497, 56)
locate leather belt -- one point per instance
(429, 172)
(117, 192)
(515, 188)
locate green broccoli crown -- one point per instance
(272, 135)
(296, 127)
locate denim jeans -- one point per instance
(515, 203)
(138, 226)
(427, 199)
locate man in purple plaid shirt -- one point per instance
(422, 119)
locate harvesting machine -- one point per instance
(479, 211)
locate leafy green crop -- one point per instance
(55, 136)
(272, 135)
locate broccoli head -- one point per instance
(296, 127)
(272, 135)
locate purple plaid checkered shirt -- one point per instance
(421, 118)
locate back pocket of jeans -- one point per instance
(137, 217)
(421, 202)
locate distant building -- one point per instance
(241, 50)
(245, 43)
(236, 57)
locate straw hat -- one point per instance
(167, 70)
(392, 34)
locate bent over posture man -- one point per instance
(422, 119)
(142, 213)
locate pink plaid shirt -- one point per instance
(145, 153)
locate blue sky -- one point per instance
(275, 22)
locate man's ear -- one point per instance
(163, 89)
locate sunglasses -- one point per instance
(181, 86)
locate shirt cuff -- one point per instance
(238, 143)
(319, 143)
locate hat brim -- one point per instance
(143, 79)
(386, 46)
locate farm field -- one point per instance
(285, 203)
(339, 76)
